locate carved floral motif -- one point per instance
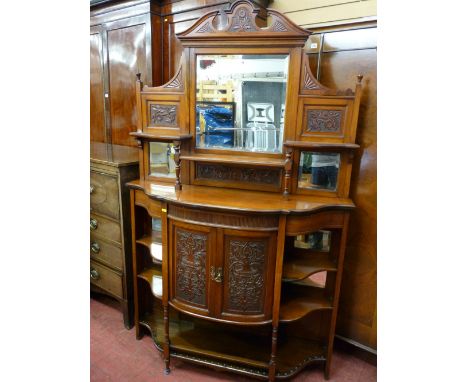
(238, 174)
(246, 275)
(279, 27)
(309, 82)
(191, 266)
(242, 21)
(176, 83)
(324, 120)
(163, 115)
(206, 28)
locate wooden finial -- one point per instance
(359, 78)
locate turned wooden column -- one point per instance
(287, 173)
(178, 184)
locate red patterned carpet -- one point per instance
(117, 356)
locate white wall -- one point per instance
(308, 13)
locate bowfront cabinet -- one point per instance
(241, 212)
(222, 274)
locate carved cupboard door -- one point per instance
(248, 275)
(190, 248)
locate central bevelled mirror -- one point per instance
(240, 102)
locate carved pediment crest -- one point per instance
(241, 17)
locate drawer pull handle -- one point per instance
(93, 224)
(95, 247)
(91, 189)
(94, 274)
(216, 274)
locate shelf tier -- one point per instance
(152, 275)
(236, 159)
(243, 353)
(148, 241)
(159, 137)
(300, 299)
(316, 145)
(302, 264)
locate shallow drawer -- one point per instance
(106, 253)
(106, 228)
(105, 194)
(107, 279)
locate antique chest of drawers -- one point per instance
(110, 241)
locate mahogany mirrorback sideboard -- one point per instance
(240, 216)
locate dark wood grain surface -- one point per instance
(345, 53)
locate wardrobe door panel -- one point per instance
(97, 121)
(127, 57)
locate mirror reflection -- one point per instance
(241, 102)
(161, 157)
(318, 170)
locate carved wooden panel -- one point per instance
(324, 120)
(246, 263)
(225, 173)
(163, 115)
(191, 253)
(243, 21)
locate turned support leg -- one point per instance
(167, 370)
(178, 184)
(287, 173)
(272, 365)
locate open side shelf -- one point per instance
(300, 299)
(213, 345)
(147, 240)
(153, 242)
(153, 277)
(302, 264)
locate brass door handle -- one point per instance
(95, 247)
(94, 274)
(93, 224)
(216, 274)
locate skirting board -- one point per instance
(350, 346)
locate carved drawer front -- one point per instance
(106, 278)
(106, 228)
(106, 253)
(190, 246)
(105, 194)
(248, 275)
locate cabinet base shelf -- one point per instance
(208, 346)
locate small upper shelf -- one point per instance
(160, 137)
(236, 159)
(317, 145)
